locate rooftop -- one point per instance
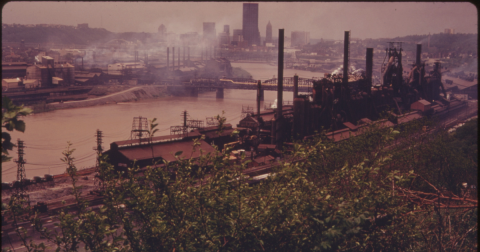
(165, 150)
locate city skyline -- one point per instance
(322, 20)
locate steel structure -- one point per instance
(139, 128)
(246, 110)
(20, 193)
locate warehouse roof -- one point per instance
(165, 150)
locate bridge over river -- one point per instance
(304, 85)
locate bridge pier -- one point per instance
(219, 93)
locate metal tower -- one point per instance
(20, 192)
(139, 128)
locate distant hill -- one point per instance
(66, 35)
(457, 43)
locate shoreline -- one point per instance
(135, 93)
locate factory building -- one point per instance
(125, 68)
(143, 152)
(251, 34)
(14, 69)
(48, 69)
(18, 83)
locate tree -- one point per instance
(10, 121)
(315, 199)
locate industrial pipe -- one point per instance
(346, 44)
(259, 90)
(279, 117)
(295, 86)
(419, 54)
(369, 69)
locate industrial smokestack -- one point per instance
(419, 54)
(279, 117)
(168, 58)
(369, 68)
(346, 50)
(295, 86)
(259, 90)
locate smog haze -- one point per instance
(322, 20)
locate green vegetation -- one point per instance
(359, 195)
(10, 121)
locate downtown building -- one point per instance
(300, 38)
(209, 32)
(268, 38)
(251, 34)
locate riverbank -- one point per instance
(110, 95)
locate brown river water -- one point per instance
(46, 134)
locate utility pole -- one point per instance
(99, 147)
(185, 127)
(20, 189)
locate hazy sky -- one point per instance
(323, 20)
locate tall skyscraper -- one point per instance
(162, 32)
(251, 34)
(269, 33)
(224, 37)
(209, 32)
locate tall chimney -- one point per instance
(168, 58)
(279, 117)
(419, 54)
(259, 90)
(346, 50)
(369, 68)
(295, 86)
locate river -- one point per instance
(46, 134)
